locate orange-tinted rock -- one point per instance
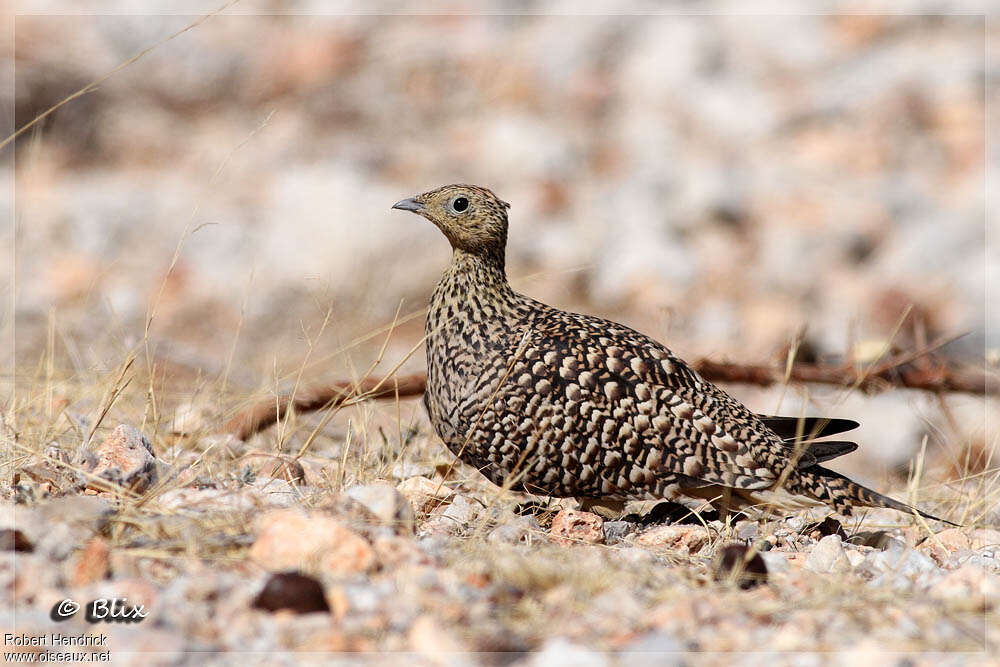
(92, 564)
(575, 527)
(125, 458)
(291, 539)
(688, 539)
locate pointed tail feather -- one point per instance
(824, 450)
(806, 428)
(846, 494)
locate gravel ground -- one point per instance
(232, 549)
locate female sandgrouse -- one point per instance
(561, 404)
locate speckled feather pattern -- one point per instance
(564, 404)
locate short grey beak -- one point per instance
(409, 205)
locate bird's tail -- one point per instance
(845, 494)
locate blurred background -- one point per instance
(720, 182)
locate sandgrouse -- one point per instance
(561, 404)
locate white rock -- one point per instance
(462, 510)
(407, 469)
(275, 491)
(188, 500)
(424, 494)
(190, 417)
(384, 501)
(828, 556)
(430, 638)
(514, 529)
(560, 652)
(900, 567)
(775, 561)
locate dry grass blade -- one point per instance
(116, 390)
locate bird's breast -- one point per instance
(468, 342)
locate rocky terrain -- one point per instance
(210, 227)
(376, 542)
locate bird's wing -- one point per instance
(638, 399)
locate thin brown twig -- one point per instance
(267, 412)
(937, 378)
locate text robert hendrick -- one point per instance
(55, 639)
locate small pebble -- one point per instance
(12, 539)
(616, 531)
(293, 591)
(735, 563)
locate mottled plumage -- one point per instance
(563, 404)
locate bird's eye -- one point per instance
(460, 204)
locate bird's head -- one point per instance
(473, 218)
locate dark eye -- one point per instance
(460, 204)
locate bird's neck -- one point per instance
(483, 268)
(473, 280)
